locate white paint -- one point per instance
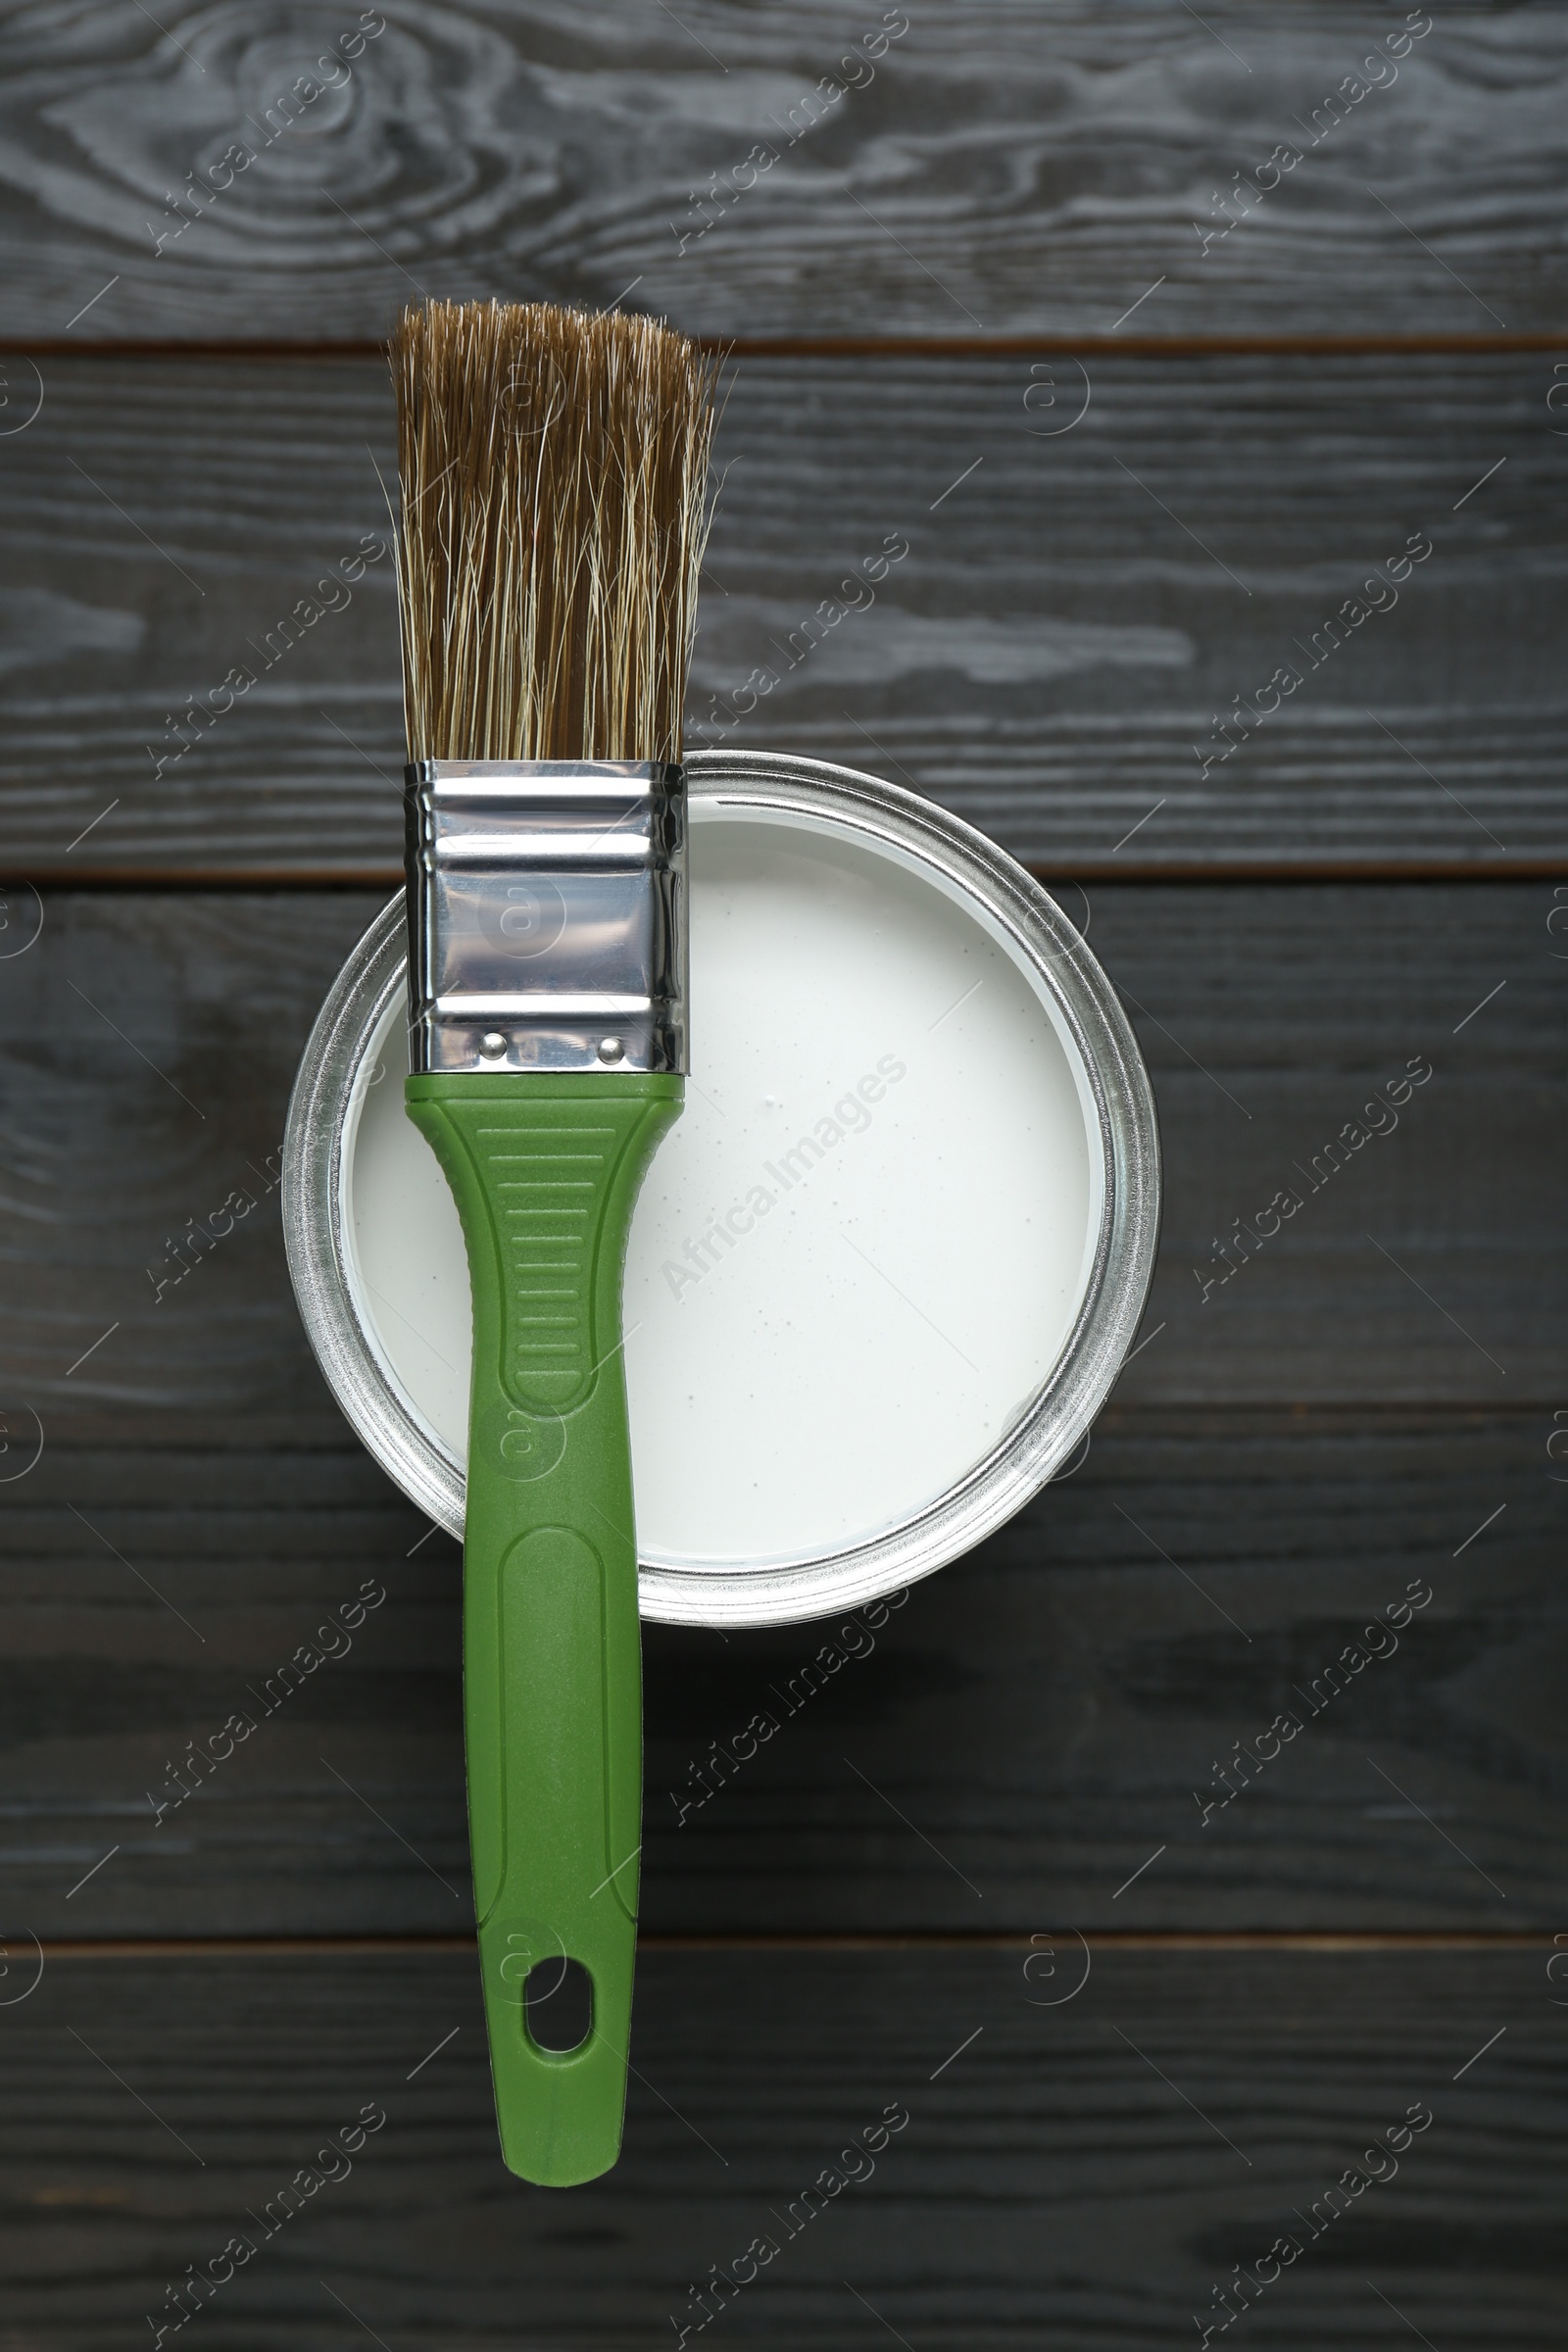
(887, 1297)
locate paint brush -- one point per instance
(552, 469)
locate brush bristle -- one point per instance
(554, 466)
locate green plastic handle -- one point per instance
(545, 1172)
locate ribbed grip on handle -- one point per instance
(545, 1172)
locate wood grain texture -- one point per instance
(1010, 167)
(1052, 657)
(151, 1045)
(1082, 2174)
(1415, 1300)
(1002, 1753)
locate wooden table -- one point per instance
(978, 299)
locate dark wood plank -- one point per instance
(1379, 1286)
(1269, 1017)
(1010, 165)
(1078, 2174)
(150, 1045)
(1050, 1714)
(1078, 613)
(1053, 656)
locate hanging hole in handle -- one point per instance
(559, 1999)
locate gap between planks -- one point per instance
(1154, 1940)
(867, 347)
(1063, 869)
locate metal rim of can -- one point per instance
(1012, 907)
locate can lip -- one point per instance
(967, 867)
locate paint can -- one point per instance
(884, 1270)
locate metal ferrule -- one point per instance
(547, 914)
